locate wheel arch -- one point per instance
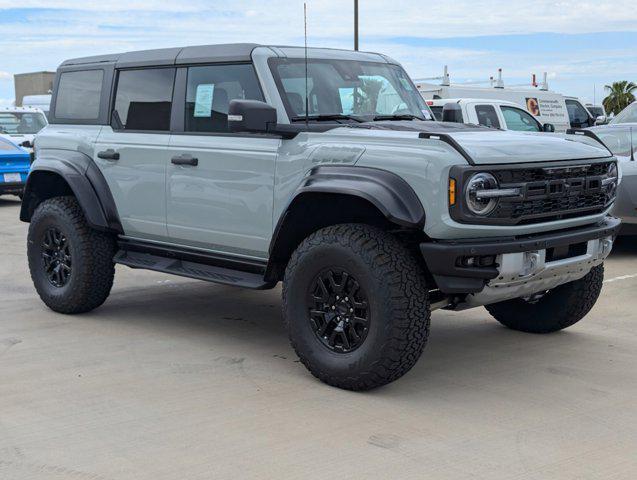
(62, 173)
(373, 196)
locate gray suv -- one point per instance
(248, 165)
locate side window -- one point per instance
(210, 90)
(487, 116)
(519, 120)
(576, 113)
(143, 99)
(78, 95)
(437, 111)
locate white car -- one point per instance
(627, 115)
(487, 112)
(21, 124)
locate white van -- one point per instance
(487, 112)
(42, 102)
(546, 106)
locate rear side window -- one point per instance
(519, 120)
(78, 95)
(487, 116)
(143, 99)
(210, 90)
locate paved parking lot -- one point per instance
(178, 379)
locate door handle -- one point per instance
(185, 160)
(109, 154)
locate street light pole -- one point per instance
(355, 24)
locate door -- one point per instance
(578, 115)
(518, 120)
(132, 153)
(220, 185)
(484, 114)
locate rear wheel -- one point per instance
(71, 264)
(554, 310)
(356, 306)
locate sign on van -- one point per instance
(551, 108)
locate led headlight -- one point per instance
(477, 193)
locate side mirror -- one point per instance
(452, 112)
(26, 144)
(601, 120)
(251, 116)
(548, 127)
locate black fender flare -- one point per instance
(84, 179)
(389, 193)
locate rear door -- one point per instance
(132, 152)
(219, 184)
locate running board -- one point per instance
(184, 268)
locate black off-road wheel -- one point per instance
(554, 310)
(71, 264)
(356, 306)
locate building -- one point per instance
(36, 83)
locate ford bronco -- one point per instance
(324, 169)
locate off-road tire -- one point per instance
(398, 302)
(558, 309)
(92, 267)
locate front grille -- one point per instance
(546, 192)
(552, 193)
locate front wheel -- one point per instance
(555, 310)
(71, 264)
(356, 306)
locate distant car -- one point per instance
(627, 115)
(621, 139)
(491, 113)
(15, 163)
(21, 124)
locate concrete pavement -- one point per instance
(179, 379)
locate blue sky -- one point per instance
(583, 45)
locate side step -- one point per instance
(185, 268)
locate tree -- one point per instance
(620, 96)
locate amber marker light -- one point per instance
(452, 191)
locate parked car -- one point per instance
(21, 124)
(621, 139)
(248, 165)
(14, 168)
(489, 113)
(627, 115)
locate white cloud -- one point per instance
(5, 76)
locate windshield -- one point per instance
(15, 123)
(627, 115)
(346, 90)
(619, 140)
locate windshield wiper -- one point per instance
(328, 116)
(406, 116)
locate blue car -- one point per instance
(15, 163)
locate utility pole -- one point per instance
(355, 24)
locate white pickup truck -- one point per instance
(487, 112)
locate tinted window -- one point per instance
(78, 95)
(210, 90)
(437, 111)
(576, 113)
(487, 116)
(143, 99)
(517, 119)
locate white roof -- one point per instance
(443, 101)
(26, 109)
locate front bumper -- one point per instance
(533, 256)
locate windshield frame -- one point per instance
(274, 62)
(18, 116)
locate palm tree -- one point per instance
(620, 96)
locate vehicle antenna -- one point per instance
(307, 101)
(632, 151)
